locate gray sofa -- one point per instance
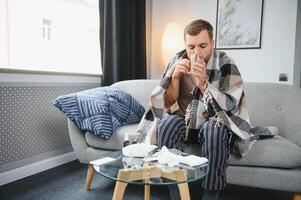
(273, 163)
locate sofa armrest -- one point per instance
(82, 150)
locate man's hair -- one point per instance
(196, 26)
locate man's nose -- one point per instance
(197, 50)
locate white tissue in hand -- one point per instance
(138, 150)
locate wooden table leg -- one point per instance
(144, 173)
(183, 187)
(119, 190)
(120, 186)
(179, 175)
(297, 197)
(184, 191)
(146, 192)
(147, 187)
(90, 173)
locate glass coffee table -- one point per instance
(131, 170)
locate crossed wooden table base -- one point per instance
(146, 173)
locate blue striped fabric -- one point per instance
(100, 110)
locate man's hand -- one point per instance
(182, 67)
(198, 72)
(172, 90)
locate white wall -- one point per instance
(256, 65)
(297, 71)
(178, 11)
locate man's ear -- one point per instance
(213, 43)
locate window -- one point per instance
(51, 36)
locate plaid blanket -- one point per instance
(225, 93)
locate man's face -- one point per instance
(199, 44)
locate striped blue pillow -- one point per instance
(100, 110)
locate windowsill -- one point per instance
(20, 71)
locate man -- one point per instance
(217, 80)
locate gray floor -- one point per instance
(68, 182)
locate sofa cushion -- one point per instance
(274, 152)
(116, 141)
(100, 110)
(264, 132)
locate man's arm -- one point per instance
(172, 92)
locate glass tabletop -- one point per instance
(137, 171)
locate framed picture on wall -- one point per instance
(238, 24)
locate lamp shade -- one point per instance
(172, 41)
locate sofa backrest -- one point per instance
(269, 104)
(139, 89)
(272, 104)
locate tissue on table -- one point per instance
(193, 160)
(138, 150)
(164, 156)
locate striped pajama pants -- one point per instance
(214, 140)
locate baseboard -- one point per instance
(34, 168)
